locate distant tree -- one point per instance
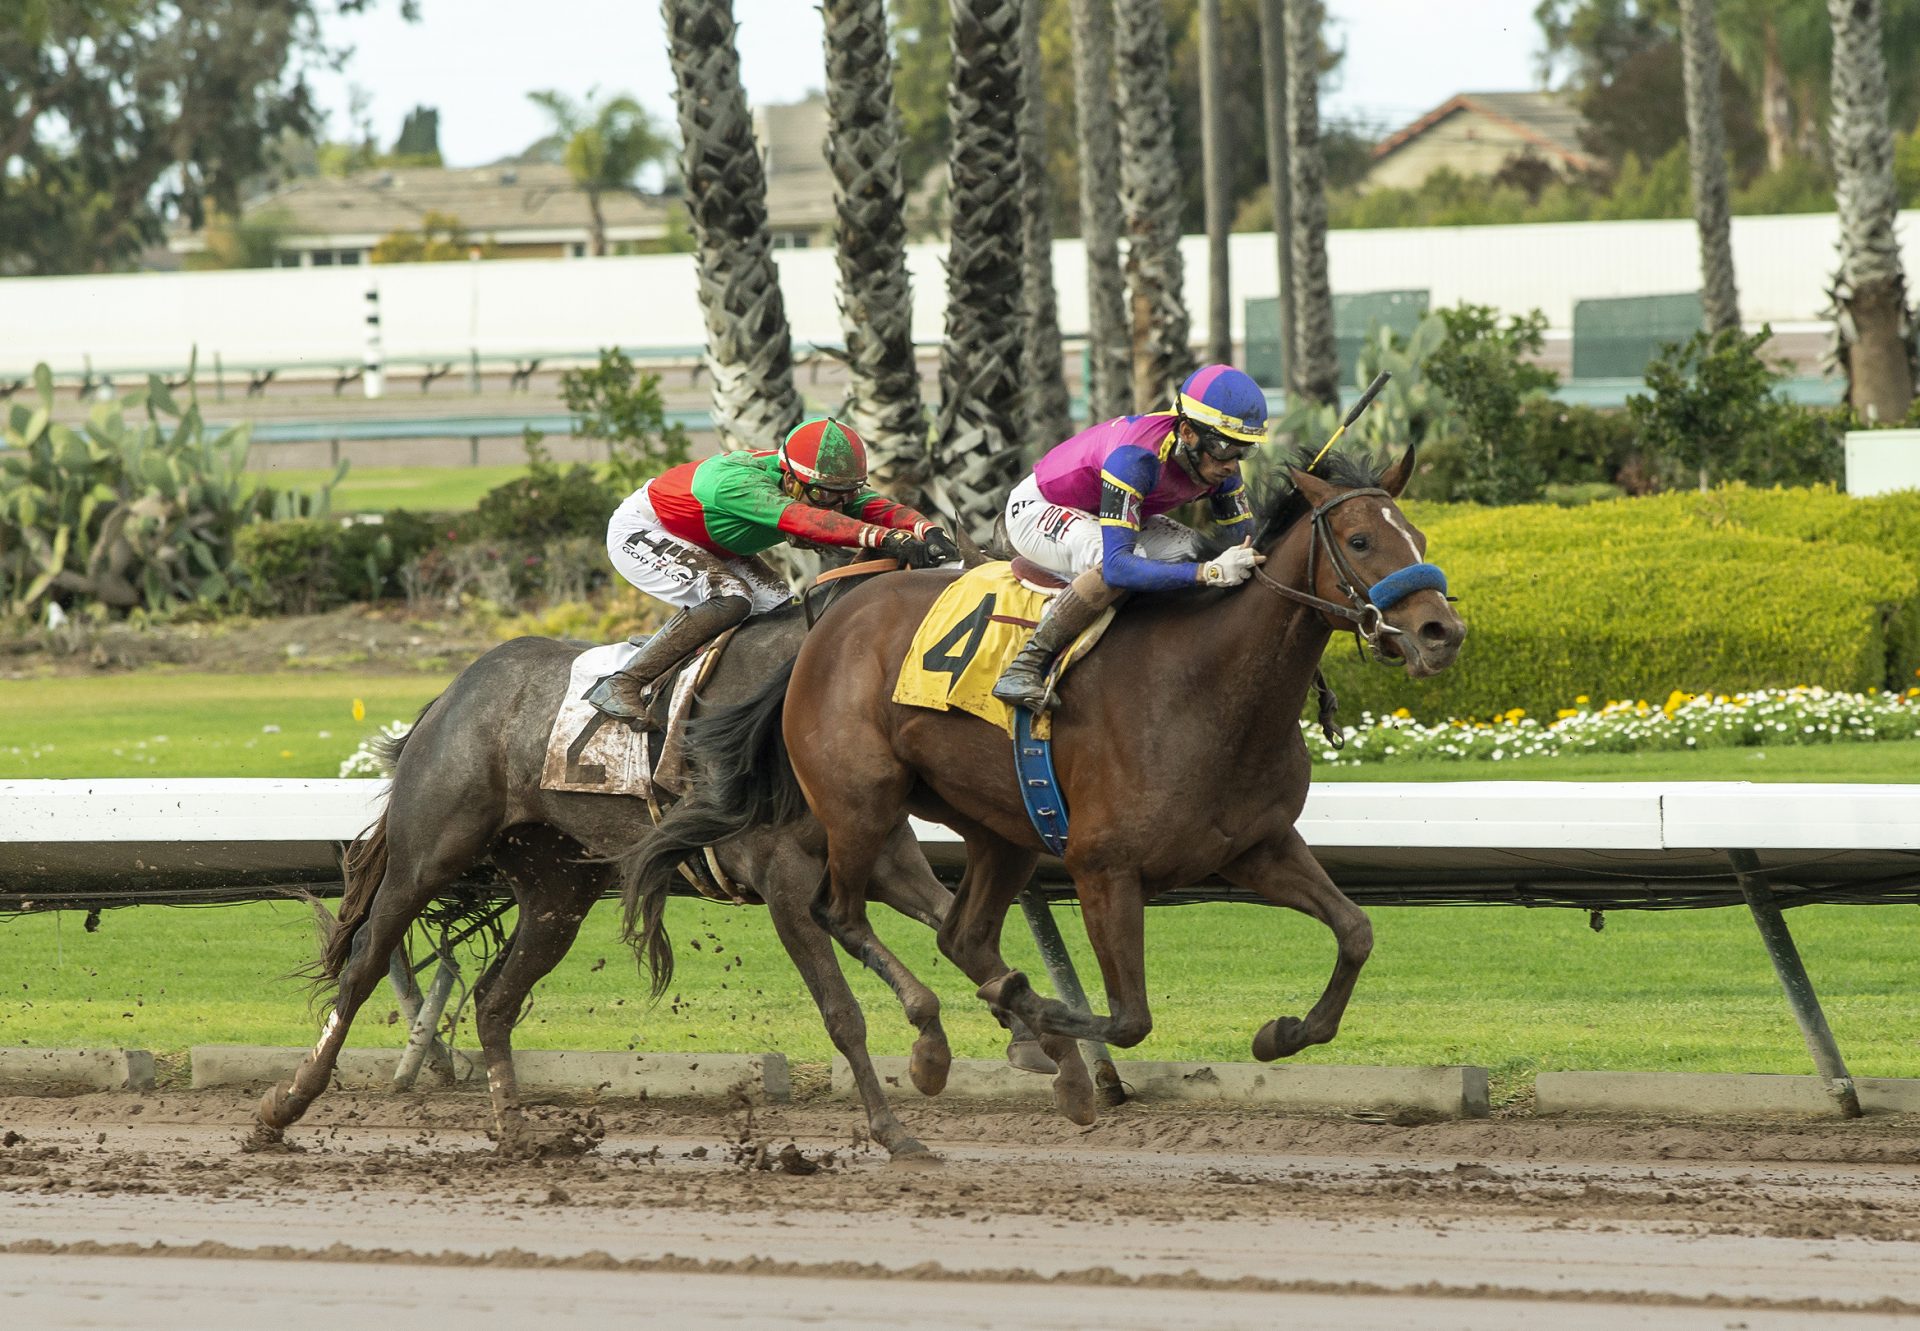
(252, 241)
(1707, 161)
(419, 141)
(118, 117)
(603, 144)
(440, 239)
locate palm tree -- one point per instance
(603, 145)
(976, 440)
(1213, 148)
(1047, 412)
(1149, 177)
(1873, 326)
(749, 348)
(1313, 362)
(1707, 157)
(1273, 55)
(870, 229)
(1109, 386)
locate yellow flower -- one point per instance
(359, 710)
(286, 753)
(1566, 712)
(1403, 713)
(1582, 698)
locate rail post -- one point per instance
(1066, 983)
(1793, 978)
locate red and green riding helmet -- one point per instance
(826, 453)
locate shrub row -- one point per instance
(1734, 589)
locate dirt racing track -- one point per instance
(120, 1210)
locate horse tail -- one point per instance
(742, 780)
(364, 865)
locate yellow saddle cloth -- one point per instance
(968, 638)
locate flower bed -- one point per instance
(1801, 715)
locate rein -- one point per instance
(829, 577)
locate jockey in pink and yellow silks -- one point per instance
(1095, 512)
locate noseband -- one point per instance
(1366, 611)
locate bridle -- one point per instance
(1364, 611)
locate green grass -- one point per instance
(421, 489)
(174, 725)
(1516, 991)
(109, 725)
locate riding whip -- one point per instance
(1353, 414)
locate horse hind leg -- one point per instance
(415, 874)
(996, 873)
(788, 889)
(555, 891)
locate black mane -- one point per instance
(1277, 505)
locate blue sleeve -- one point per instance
(1127, 478)
(1231, 511)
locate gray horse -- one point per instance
(466, 787)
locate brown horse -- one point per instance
(1177, 747)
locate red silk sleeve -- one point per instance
(871, 506)
(825, 526)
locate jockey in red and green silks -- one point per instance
(691, 537)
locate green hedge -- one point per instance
(1732, 589)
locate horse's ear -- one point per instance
(1395, 478)
(1314, 490)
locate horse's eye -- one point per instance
(1358, 540)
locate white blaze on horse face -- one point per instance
(1394, 522)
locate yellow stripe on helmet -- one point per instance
(1231, 426)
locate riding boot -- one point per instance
(1068, 615)
(626, 694)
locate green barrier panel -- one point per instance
(1616, 337)
(1355, 316)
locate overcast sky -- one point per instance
(476, 60)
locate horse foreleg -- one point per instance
(1284, 872)
(549, 920)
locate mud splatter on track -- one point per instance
(1154, 1217)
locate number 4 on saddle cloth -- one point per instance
(966, 640)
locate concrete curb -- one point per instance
(1713, 1093)
(760, 1077)
(1453, 1092)
(65, 1071)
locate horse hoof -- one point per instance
(1073, 1096)
(910, 1154)
(1028, 1056)
(1280, 1037)
(268, 1141)
(932, 1060)
(1002, 992)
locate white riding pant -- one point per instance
(1066, 541)
(677, 571)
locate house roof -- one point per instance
(1545, 122)
(488, 201)
(793, 144)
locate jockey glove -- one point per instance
(1233, 567)
(940, 547)
(905, 547)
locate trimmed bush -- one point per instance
(1734, 589)
(288, 567)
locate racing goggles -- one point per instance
(1218, 446)
(833, 496)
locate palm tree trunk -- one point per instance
(1313, 361)
(1048, 412)
(1707, 157)
(1872, 324)
(596, 225)
(1776, 98)
(1109, 377)
(1149, 176)
(749, 347)
(977, 443)
(870, 233)
(1273, 55)
(1213, 152)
